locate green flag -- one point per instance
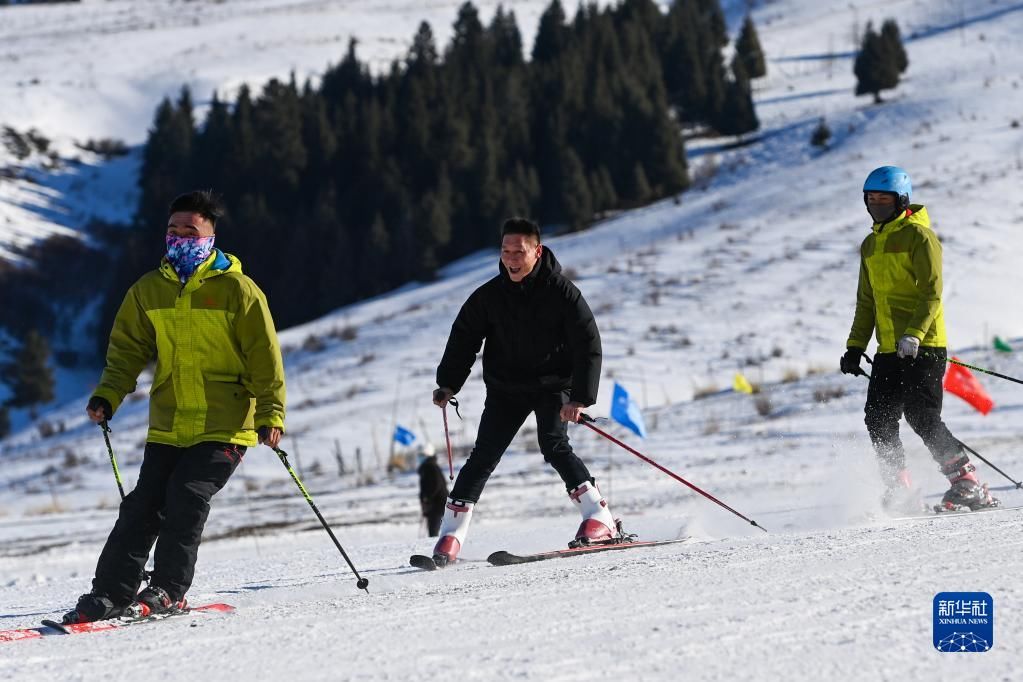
(1002, 346)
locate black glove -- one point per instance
(97, 404)
(263, 432)
(850, 362)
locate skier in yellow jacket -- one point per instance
(899, 297)
(218, 388)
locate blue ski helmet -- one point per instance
(890, 179)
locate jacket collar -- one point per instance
(916, 214)
(217, 263)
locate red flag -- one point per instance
(961, 382)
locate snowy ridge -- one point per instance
(757, 273)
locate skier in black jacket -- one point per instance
(542, 355)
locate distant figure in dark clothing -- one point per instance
(433, 490)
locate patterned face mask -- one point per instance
(186, 254)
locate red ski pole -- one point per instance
(447, 437)
(587, 421)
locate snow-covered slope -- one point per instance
(96, 70)
(756, 272)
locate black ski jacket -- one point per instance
(540, 335)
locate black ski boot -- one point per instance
(153, 601)
(966, 493)
(92, 607)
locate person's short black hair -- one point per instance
(521, 226)
(202, 201)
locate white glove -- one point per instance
(908, 346)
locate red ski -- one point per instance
(51, 627)
(508, 559)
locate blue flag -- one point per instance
(403, 435)
(625, 411)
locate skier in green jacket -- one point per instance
(218, 388)
(899, 297)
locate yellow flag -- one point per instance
(740, 384)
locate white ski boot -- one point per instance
(598, 526)
(453, 530)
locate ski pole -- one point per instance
(363, 583)
(113, 460)
(587, 421)
(447, 438)
(447, 435)
(976, 454)
(864, 372)
(146, 575)
(981, 369)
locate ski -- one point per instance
(423, 562)
(936, 512)
(508, 559)
(52, 627)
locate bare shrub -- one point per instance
(763, 404)
(790, 376)
(828, 393)
(72, 460)
(313, 344)
(349, 332)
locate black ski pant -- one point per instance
(433, 520)
(168, 506)
(503, 415)
(912, 387)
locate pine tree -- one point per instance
(551, 35)
(737, 112)
(29, 375)
(318, 139)
(747, 48)
(683, 63)
(166, 160)
(211, 161)
(641, 192)
(876, 67)
(281, 155)
(576, 201)
(5, 421)
(893, 39)
(506, 38)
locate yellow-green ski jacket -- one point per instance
(899, 291)
(219, 374)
